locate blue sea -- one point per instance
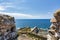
(40, 23)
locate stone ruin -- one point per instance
(54, 31)
(7, 28)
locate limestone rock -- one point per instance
(35, 30)
(53, 20)
(55, 26)
(7, 28)
(57, 15)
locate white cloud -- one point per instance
(28, 16)
(2, 8)
(50, 14)
(21, 15)
(4, 5)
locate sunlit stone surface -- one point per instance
(54, 31)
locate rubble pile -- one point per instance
(54, 31)
(7, 28)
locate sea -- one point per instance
(40, 23)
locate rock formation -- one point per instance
(35, 30)
(54, 31)
(7, 28)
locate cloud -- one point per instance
(21, 15)
(8, 7)
(2, 8)
(13, 6)
(6, 3)
(49, 15)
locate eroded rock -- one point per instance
(54, 31)
(7, 28)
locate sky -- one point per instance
(29, 9)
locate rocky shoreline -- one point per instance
(8, 30)
(40, 34)
(31, 33)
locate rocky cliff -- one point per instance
(54, 31)
(7, 28)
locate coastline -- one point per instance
(30, 33)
